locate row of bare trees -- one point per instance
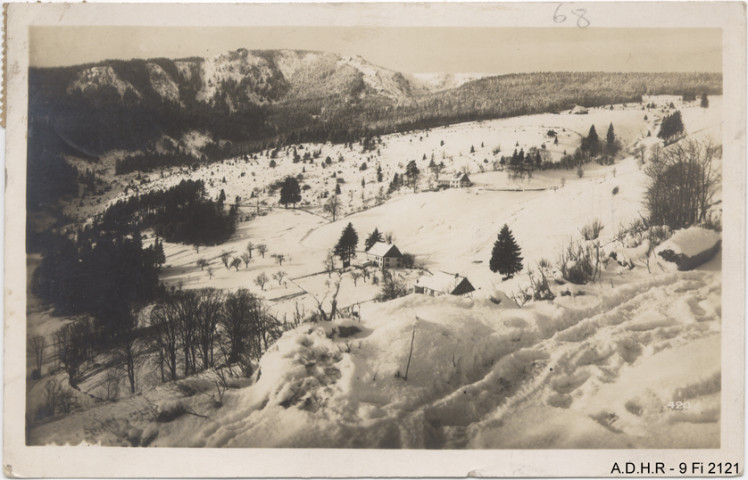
(683, 181)
(188, 326)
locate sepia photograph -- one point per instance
(380, 236)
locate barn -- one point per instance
(443, 283)
(385, 255)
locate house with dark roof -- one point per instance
(443, 283)
(385, 255)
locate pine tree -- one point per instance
(672, 126)
(610, 140)
(412, 172)
(346, 247)
(376, 236)
(505, 257)
(337, 189)
(592, 142)
(159, 249)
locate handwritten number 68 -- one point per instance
(582, 21)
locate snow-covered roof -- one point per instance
(443, 282)
(381, 249)
(691, 241)
(579, 109)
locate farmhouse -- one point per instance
(458, 180)
(579, 110)
(385, 255)
(443, 283)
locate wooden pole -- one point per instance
(412, 340)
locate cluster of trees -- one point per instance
(189, 325)
(691, 97)
(182, 213)
(671, 128)
(146, 162)
(682, 183)
(98, 273)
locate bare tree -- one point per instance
(165, 323)
(329, 263)
(225, 259)
(128, 353)
(112, 381)
(73, 347)
(37, 345)
(262, 248)
(279, 275)
(279, 258)
(236, 263)
(250, 247)
(355, 275)
(332, 206)
(210, 272)
(241, 311)
(682, 183)
(246, 258)
(210, 305)
(202, 263)
(187, 306)
(333, 301)
(261, 280)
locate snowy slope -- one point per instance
(548, 375)
(597, 368)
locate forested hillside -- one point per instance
(246, 101)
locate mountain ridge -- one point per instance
(244, 101)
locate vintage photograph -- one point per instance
(377, 236)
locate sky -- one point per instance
(494, 50)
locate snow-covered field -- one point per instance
(594, 369)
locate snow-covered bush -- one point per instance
(540, 288)
(592, 230)
(579, 263)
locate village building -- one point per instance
(579, 110)
(443, 283)
(458, 180)
(385, 255)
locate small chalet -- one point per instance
(385, 255)
(458, 180)
(442, 283)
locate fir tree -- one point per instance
(290, 192)
(376, 236)
(704, 101)
(505, 257)
(610, 140)
(591, 143)
(346, 247)
(671, 127)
